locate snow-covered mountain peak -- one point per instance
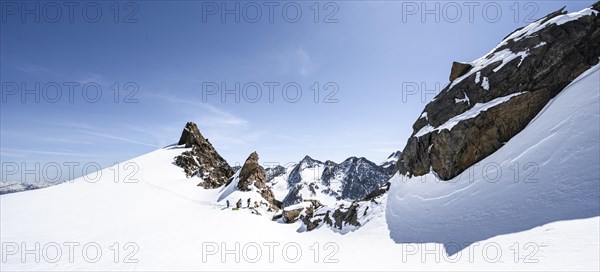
(389, 165)
(308, 162)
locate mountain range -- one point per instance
(507, 156)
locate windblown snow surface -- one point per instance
(547, 173)
(161, 220)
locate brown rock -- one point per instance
(203, 160)
(253, 176)
(556, 55)
(191, 136)
(291, 216)
(459, 69)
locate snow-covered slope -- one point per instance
(548, 220)
(166, 222)
(548, 172)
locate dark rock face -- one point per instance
(274, 172)
(378, 192)
(459, 69)
(351, 180)
(342, 216)
(306, 162)
(293, 196)
(203, 160)
(191, 136)
(362, 177)
(542, 64)
(389, 165)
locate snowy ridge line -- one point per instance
(580, 77)
(469, 114)
(506, 55)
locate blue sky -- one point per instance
(164, 56)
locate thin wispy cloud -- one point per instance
(25, 152)
(305, 63)
(89, 77)
(295, 61)
(224, 129)
(221, 117)
(209, 114)
(119, 138)
(33, 69)
(77, 125)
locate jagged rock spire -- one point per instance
(253, 176)
(203, 160)
(191, 135)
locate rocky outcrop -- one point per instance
(251, 174)
(202, 160)
(305, 213)
(459, 69)
(346, 216)
(291, 215)
(343, 218)
(378, 192)
(252, 177)
(191, 136)
(501, 93)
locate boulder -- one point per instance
(291, 216)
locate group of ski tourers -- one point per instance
(239, 203)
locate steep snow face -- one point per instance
(307, 169)
(548, 172)
(277, 180)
